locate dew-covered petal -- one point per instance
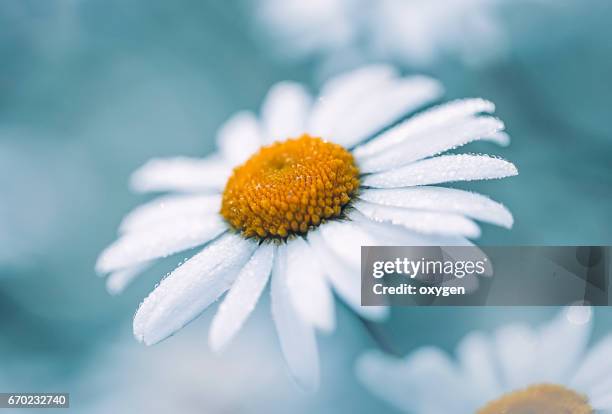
(339, 94)
(383, 106)
(242, 297)
(345, 239)
(117, 281)
(296, 336)
(181, 174)
(308, 287)
(432, 143)
(388, 234)
(451, 200)
(284, 111)
(500, 137)
(239, 137)
(169, 208)
(345, 279)
(516, 347)
(433, 119)
(159, 241)
(596, 365)
(426, 222)
(442, 169)
(424, 382)
(191, 288)
(555, 363)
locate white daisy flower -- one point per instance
(277, 199)
(516, 370)
(416, 32)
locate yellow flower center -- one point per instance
(539, 399)
(289, 187)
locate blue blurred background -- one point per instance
(90, 89)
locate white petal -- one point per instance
(501, 138)
(181, 174)
(339, 94)
(420, 221)
(600, 395)
(383, 106)
(602, 402)
(424, 382)
(477, 359)
(432, 143)
(159, 241)
(389, 379)
(239, 137)
(310, 293)
(345, 239)
(432, 119)
(191, 288)
(117, 281)
(450, 200)
(284, 111)
(169, 208)
(516, 347)
(345, 279)
(555, 363)
(595, 365)
(387, 234)
(442, 169)
(297, 337)
(242, 297)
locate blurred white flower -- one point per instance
(415, 32)
(307, 27)
(300, 209)
(517, 369)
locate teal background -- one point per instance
(91, 89)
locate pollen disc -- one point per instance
(541, 399)
(289, 187)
